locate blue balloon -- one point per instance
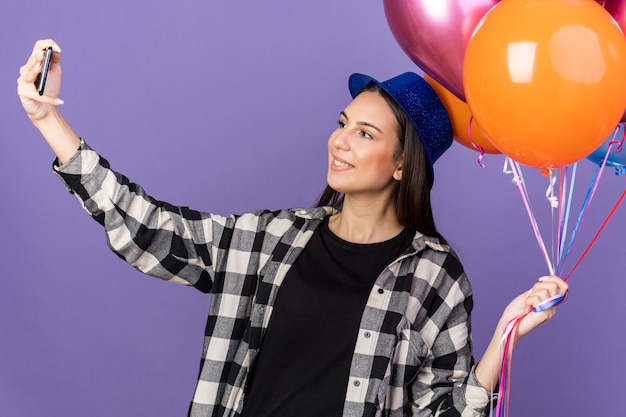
(617, 157)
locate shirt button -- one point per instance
(367, 335)
(380, 291)
(357, 383)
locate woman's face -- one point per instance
(364, 154)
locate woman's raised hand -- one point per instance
(38, 107)
(546, 288)
(42, 110)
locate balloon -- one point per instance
(617, 157)
(434, 34)
(546, 80)
(617, 8)
(460, 117)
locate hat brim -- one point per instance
(358, 82)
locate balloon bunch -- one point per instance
(541, 82)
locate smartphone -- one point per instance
(41, 78)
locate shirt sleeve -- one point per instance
(169, 242)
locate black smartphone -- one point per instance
(41, 78)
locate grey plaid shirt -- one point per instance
(413, 354)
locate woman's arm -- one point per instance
(159, 239)
(43, 110)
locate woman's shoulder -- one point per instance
(436, 259)
(423, 242)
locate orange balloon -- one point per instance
(546, 80)
(460, 117)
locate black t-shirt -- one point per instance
(303, 365)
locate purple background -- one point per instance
(226, 107)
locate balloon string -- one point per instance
(477, 147)
(510, 329)
(567, 213)
(552, 199)
(554, 204)
(619, 201)
(620, 144)
(508, 336)
(507, 340)
(620, 168)
(519, 181)
(588, 197)
(561, 219)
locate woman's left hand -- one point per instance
(546, 287)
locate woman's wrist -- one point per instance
(49, 119)
(59, 135)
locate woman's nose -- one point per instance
(341, 139)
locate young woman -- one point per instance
(357, 307)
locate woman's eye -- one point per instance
(341, 124)
(366, 135)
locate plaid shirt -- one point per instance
(413, 354)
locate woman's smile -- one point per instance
(340, 164)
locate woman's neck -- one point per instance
(365, 222)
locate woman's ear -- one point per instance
(397, 174)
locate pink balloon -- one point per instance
(617, 9)
(435, 33)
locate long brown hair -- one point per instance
(412, 193)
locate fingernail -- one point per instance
(58, 101)
(543, 279)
